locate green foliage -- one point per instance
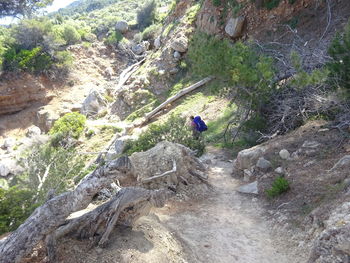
(22, 7)
(239, 64)
(34, 61)
(15, 206)
(339, 67)
(146, 14)
(114, 38)
(271, 4)
(279, 186)
(71, 124)
(151, 32)
(303, 79)
(71, 35)
(175, 129)
(216, 2)
(55, 166)
(191, 13)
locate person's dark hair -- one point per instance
(191, 117)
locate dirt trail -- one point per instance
(227, 226)
(222, 227)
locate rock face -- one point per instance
(342, 163)
(20, 91)
(9, 166)
(93, 104)
(180, 44)
(174, 161)
(248, 157)
(234, 27)
(122, 26)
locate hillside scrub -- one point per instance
(175, 129)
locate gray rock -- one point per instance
(46, 119)
(33, 131)
(76, 107)
(93, 104)
(248, 175)
(173, 71)
(234, 26)
(342, 163)
(157, 42)
(109, 73)
(284, 154)
(248, 157)
(9, 166)
(251, 188)
(263, 164)
(122, 26)
(279, 170)
(311, 144)
(120, 143)
(9, 143)
(177, 55)
(138, 49)
(180, 44)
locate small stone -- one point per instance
(279, 170)
(177, 55)
(251, 188)
(33, 131)
(284, 154)
(311, 144)
(263, 164)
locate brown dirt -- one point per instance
(222, 227)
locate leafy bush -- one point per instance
(15, 206)
(216, 2)
(279, 186)
(175, 129)
(271, 4)
(71, 124)
(151, 32)
(339, 67)
(71, 35)
(239, 64)
(114, 38)
(146, 14)
(34, 61)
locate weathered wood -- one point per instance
(175, 97)
(126, 74)
(53, 213)
(173, 170)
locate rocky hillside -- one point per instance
(268, 77)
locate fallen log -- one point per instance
(174, 98)
(126, 74)
(53, 213)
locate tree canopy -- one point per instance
(21, 7)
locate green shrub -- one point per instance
(114, 38)
(279, 186)
(339, 67)
(71, 35)
(216, 2)
(34, 61)
(175, 129)
(151, 31)
(271, 4)
(146, 14)
(71, 124)
(15, 206)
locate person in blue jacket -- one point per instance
(198, 126)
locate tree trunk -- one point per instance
(175, 97)
(46, 218)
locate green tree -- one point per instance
(339, 67)
(71, 35)
(20, 8)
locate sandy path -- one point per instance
(226, 227)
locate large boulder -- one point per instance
(122, 26)
(248, 157)
(234, 26)
(93, 104)
(180, 44)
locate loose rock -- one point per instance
(263, 164)
(234, 27)
(284, 154)
(180, 44)
(251, 188)
(122, 26)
